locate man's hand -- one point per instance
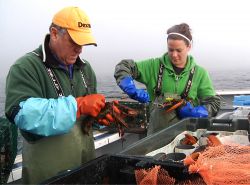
(90, 104)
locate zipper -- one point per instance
(72, 92)
(72, 87)
(177, 77)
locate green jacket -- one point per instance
(146, 72)
(29, 79)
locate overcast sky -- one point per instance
(134, 29)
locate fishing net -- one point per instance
(155, 175)
(8, 148)
(224, 164)
(218, 165)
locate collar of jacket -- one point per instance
(50, 60)
(168, 65)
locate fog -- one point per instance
(134, 29)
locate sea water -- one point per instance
(222, 80)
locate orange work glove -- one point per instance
(90, 104)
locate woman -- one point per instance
(172, 78)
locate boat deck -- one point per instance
(111, 143)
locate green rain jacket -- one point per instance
(146, 72)
(46, 156)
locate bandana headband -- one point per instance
(183, 36)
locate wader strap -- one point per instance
(55, 81)
(159, 80)
(84, 82)
(184, 94)
(52, 77)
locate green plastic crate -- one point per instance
(136, 124)
(8, 148)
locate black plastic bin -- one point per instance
(118, 169)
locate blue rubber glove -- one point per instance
(189, 111)
(128, 86)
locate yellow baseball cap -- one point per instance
(77, 24)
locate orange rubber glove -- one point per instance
(90, 104)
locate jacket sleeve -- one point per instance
(207, 95)
(35, 114)
(28, 106)
(125, 68)
(213, 104)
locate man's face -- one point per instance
(178, 52)
(64, 47)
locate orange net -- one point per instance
(223, 164)
(155, 175)
(218, 165)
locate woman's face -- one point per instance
(178, 52)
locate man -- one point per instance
(49, 93)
